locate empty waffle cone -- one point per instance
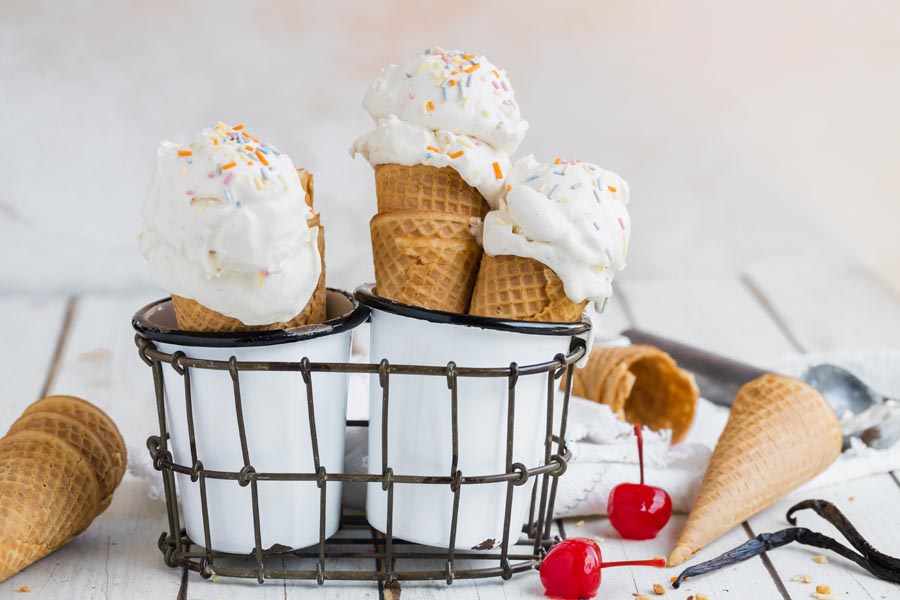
(48, 495)
(780, 434)
(641, 384)
(421, 187)
(522, 289)
(425, 258)
(78, 434)
(95, 420)
(193, 316)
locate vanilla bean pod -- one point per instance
(879, 564)
(884, 566)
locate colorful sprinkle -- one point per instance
(238, 127)
(621, 223)
(575, 186)
(611, 188)
(430, 105)
(229, 165)
(596, 226)
(210, 174)
(508, 188)
(184, 153)
(261, 158)
(456, 154)
(228, 196)
(505, 87)
(498, 173)
(597, 196)
(553, 191)
(228, 178)
(412, 96)
(433, 149)
(190, 192)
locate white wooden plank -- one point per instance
(29, 331)
(871, 505)
(720, 315)
(831, 309)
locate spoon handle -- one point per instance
(719, 377)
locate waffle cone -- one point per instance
(641, 384)
(523, 289)
(95, 421)
(425, 258)
(421, 187)
(48, 495)
(781, 433)
(193, 316)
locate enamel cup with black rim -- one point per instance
(419, 439)
(276, 422)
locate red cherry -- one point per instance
(572, 568)
(638, 511)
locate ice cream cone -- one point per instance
(780, 434)
(81, 437)
(48, 495)
(523, 289)
(421, 187)
(641, 384)
(193, 316)
(424, 258)
(95, 420)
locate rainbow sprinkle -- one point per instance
(498, 172)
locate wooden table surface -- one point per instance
(83, 346)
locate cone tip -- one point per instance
(680, 554)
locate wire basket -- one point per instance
(357, 547)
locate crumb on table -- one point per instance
(820, 559)
(658, 589)
(24, 589)
(823, 589)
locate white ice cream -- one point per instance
(225, 224)
(445, 109)
(570, 216)
(396, 142)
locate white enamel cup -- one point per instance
(419, 438)
(276, 419)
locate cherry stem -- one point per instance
(653, 562)
(640, 442)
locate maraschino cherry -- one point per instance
(638, 511)
(572, 568)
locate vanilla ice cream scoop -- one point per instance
(225, 224)
(451, 91)
(568, 215)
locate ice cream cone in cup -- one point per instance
(553, 244)
(230, 231)
(780, 434)
(434, 153)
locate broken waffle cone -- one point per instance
(780, 434)
(522, 289)
(425, 258)
(421, 187)
(48, 495)
(193, 316)
(641, 384)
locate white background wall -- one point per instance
(741, 129)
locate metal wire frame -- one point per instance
(514, 555)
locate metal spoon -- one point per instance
(864, 413)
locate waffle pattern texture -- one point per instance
(60, 463)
